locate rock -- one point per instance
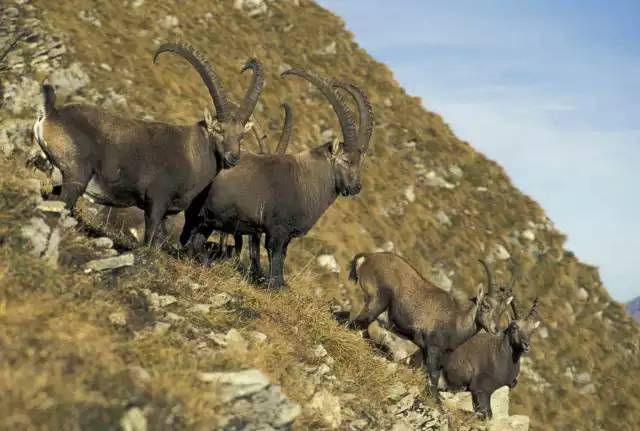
(233, 385)
(266, 410)
(400, 349)
(410, 194)
(582, 378)
(169, 21)
(388, 246)
(410, 144)
(443, 218)
(582, 294)
(158, 301)
(387, 102)
(22, 95)
(139, 374)
(329, 262)
(52, 252)
(438, 277)
(110, 263)
(252, 8)
(90, 17)
(161, 328)
(330, 49)
(220, 300)
(136, 3)
(103, 242)
(133, 420)
(323, 369)
(402, 426)
(500, 402)
(258, 337)
(528, 234)
(588, 389)
(118, 318)
(69, 80)
(55, 207)
(431, 179)
(458, 401)
(200, 308)
(498, 252)
(509, 423)
(37, 233)
(233, 340)
(328, 407)
(320, 352)
(456, 171)
(543, 332)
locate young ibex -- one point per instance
(155, 166)
(487, 362)
(431, 317)
(283, 195)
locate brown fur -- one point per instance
(434, 319)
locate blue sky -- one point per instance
(551, 90)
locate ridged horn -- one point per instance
(345, 117)
(490, 282)
(287, 128)
(253, 92)
(204, 69)
(365, 111)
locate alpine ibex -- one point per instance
(283, 144)
(155, 166)
(487, 362)
(283, 195)
(431, 317)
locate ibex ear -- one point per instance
(336, 147)
(480, 295)
(248, 125)
(209, 121)
(509, 299)
(535, 325)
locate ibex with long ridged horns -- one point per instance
(487, 362)
(431, 317)
(155, 166)
(283, 196)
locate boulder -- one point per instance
(327, 406)
(110, 263)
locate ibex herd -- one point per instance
(199, 169)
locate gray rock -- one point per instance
(134, 420)
(252, 8)
(509, 423)
(110, 263)
(327, 406)
(158, 301)
(438, 277)
(22, 95)
(410, 194)
(118, 318)
(456, 171)
(103, 242)
(588, 389)
(500, 402)
(69, 80)
(266, 410)
(200, 308)
(582, 378)
(330, 49)
(431, 179)
(37, 233)
(582, 294)
(90, 17)
(528, 234)
(498, 252)
(52, 252)
(329, 262)
(400, 349)
(220, 300)
(443, 218)
(232, 385)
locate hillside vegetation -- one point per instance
(85, 349)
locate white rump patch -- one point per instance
(359, 262)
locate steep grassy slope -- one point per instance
(439, 201)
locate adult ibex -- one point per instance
(283, 195)
(155, 166)
(281, 149)
(431, 317)
(487, 362)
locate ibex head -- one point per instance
(226, 131)
(346, 157)
(495, 302)
(522, 327)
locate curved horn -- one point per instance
(287, 128)
(365, 110)
(490, 283)
(203, 67)
(347, 124)
(517, 310)
(260, 136)
(253, 92)
(534, 308)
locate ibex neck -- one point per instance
(315, 181)
(467, 326)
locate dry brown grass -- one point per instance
(297, 320)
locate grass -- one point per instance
(39, 303)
